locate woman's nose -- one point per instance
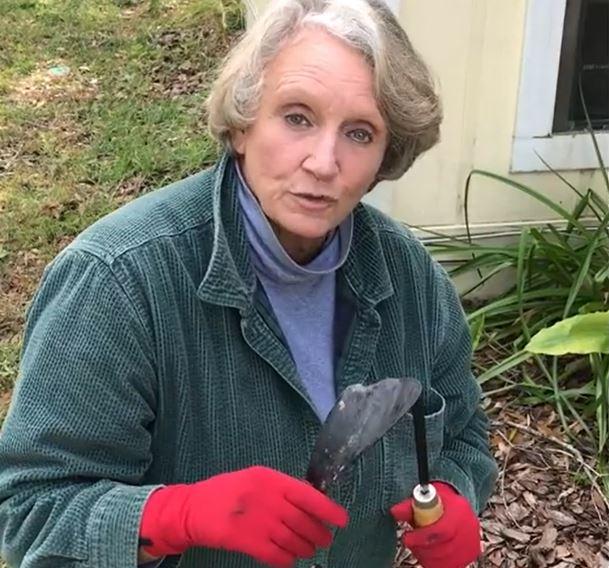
(322, 160)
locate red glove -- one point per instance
(261, 512)
(453, 541)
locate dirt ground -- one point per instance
(548, 509)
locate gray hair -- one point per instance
(403, 85)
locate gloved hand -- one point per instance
(259, 511)
(453, 541)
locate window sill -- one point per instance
(560, 151)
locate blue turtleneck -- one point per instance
(302, 296)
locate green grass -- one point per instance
(9, 357)
(126, 118)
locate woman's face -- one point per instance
(318, 140)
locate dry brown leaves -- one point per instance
(547, 510)
(178, 73)
(17, 284)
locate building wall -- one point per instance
(474, 49)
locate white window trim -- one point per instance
(537, 96)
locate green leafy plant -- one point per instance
(558, 270)
(585, 334)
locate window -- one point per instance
(566, 41)
(584, 57)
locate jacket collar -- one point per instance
(230, 279)
(366, 268)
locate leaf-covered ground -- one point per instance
(548, 509)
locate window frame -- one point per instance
(537, 97)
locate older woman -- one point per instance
(181, 354)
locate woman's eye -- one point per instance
(360, 135)
(297, 119)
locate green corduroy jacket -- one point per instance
(149, 358)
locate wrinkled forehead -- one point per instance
(317, 64)
(311, 43)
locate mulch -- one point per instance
(548, 508)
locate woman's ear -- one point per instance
(238, 140)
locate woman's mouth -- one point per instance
(313, 202)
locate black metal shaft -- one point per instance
(420, 439)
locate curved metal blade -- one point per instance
(361, 416)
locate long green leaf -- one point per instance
(541, 295)
(601, 403)
(529, 191)
(557, 255)
(507, 364)
(585, 267)
(602, 274)
(498, 269)
(562, 241)
(575, 414)
(558, 175)
(598, 201)
(600, 366)
(440, 235)
(522, 270)
(580, 207)
(599, 156)
(482, 261)
(473, 248)
(476, 328)
(586, 198)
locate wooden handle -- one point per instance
(427, 506)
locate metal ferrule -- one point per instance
(425, 496)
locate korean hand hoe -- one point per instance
(361, 416)
(426, 507)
